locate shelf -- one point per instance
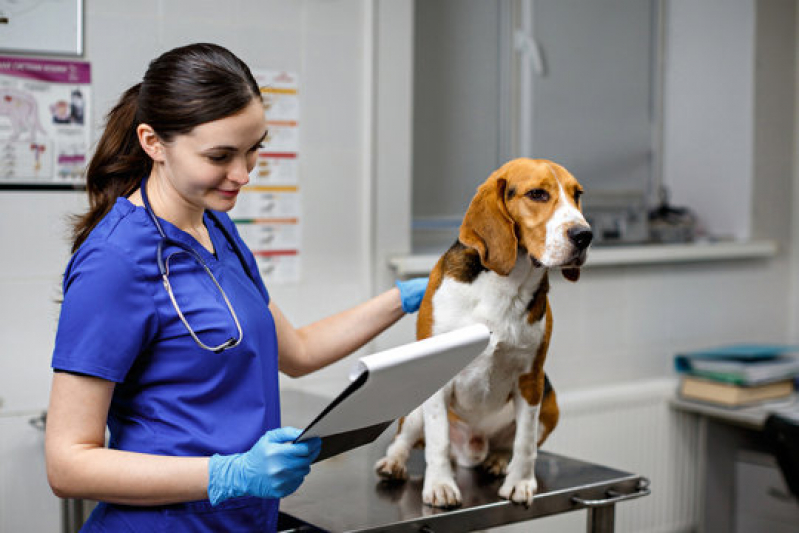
(647, 254)
(681, 253)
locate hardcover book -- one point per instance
(741, 364)
(731, 395)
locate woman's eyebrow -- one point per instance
(229, 148)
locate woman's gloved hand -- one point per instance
(411, 293)
(273, 468)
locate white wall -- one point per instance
(32, 236)
(32, 231)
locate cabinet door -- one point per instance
(26, 502)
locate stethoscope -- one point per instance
(163, 268)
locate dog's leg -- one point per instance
(500, 444)
(550, 413)
(392, 466)
(520, 484)
(439, 488)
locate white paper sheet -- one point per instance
(390, 384)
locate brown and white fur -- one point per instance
(524, 220)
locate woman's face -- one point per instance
(208, 166)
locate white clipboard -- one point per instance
(391, 384)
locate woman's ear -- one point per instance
(150, 142)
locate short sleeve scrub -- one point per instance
(171, 396)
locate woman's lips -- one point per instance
(228, 194)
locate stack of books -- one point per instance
(738, 375)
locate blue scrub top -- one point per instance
(172, 397)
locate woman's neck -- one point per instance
(167, 204)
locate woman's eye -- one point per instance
(218, 158)
(538, 195)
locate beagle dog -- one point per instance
(524, 220)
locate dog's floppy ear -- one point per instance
(488, 227)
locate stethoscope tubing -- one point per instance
(228, 237)
(163, 268)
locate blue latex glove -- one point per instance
(273, 468)
(411, 293)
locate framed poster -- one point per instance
(44, 122)
(41, 27)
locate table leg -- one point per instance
(71, 515)
(601, 519)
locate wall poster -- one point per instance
(268, 210)
(44, 122)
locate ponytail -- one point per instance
(117, 167)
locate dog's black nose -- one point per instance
(581, 236)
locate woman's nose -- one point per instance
(240, 172)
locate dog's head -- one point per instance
(528, 206)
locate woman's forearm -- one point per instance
(125, 477)
(324, 342)
(80, 466)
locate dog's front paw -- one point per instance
(521, 491)
(391, 469)
(497, 462)
(441, 492)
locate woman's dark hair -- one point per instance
(181, 89)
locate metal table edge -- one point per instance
(503, 512)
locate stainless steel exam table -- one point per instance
(343, 493)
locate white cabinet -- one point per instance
(26, 502)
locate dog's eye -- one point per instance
(538, 195)
(577, 194)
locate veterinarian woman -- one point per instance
(167, 334)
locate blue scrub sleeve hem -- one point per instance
(90, 371)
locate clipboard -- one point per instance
(390, 384)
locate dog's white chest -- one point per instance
(501, 303)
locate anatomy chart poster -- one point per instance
(44, 121)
